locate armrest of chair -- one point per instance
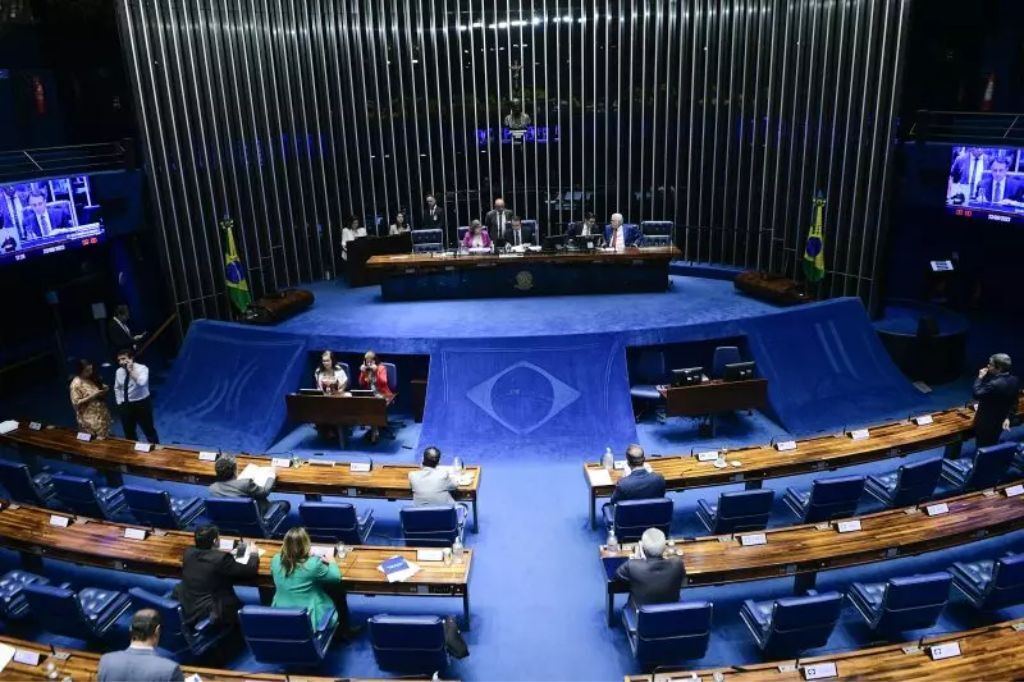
(203, 624)
(365, 518)
(325, 620)
(65, 586)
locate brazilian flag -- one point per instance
(234, 271)
(814, 251)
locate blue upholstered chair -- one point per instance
(793, 624)
(241, 516)
(629, 519)
(736, 512)
(649, 371)
(909, 485)
(461, 230)
(990, 585)
(335, 522)
(409, 644)
(13, 603)
(22, 486)
(286, 637)
(829, 498)
(665, 633)
(987, 468)
(392, 371)
(433, 525)
(656, 232)
(158, 509)
(175, 636)
(81, 496)
(425, 241)
(87, 614)
(901, 604)
(724, 355)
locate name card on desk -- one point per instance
(943, 651)
(753, 539)
(620, 465)
(923, 420)
(848, 526)
(206, 456)
(859, 434)
(59, 521)
(226, 545)
(26, 657)
(785, 445)
(429, 555)
(1014, 490)
(143, 447)
(35, 426)
(135, 533)
(820, 671)
(360, 467)
(322, 551)
(83, 436)
(936, 509)
(280, 462)
(707, 456)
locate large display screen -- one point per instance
(987, 183)
(47, 216)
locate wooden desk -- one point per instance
(995, 652)
(715, 396)
(362, 250)
(91, 542)
(312, 478)
(802, 551)
(337, 410)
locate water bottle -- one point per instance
(457, 552)
(612, 542)
(671, 549)
(457, 465)
(608, 460)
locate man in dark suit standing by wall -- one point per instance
(498, 219)
(119, 334)
(434, 217)
(996, 391)
(208, 576)
(653, 578)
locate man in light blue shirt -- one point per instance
(430, 485)
(131, 393)
(139, 661)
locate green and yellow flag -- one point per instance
(234, 271)
(814, 251)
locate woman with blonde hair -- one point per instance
(304, 581)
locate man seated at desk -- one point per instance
(476, 237)
(588, 228)
(653, 578)
(229, 485)
(618, 236)
(430, 485)
(638, 484)
(373, 375)
(517, 235)
(208, 577)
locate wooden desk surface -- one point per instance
(994, 652)
(93, 542)
(715, 396)
(398, 264)
(813, 547)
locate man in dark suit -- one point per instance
(208, 576)
(967, 171)
(996, 391)
(227, 485)
(434, 217)
(517, 234)
(997, 187)
(41, 220)
(119, 334)
(653, 578)
(619, 236)
(139, 661)
(497, 219)
(639, 483)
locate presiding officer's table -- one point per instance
(423, 276)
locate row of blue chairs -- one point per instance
(828, 498)
(662, 633)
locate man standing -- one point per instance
(618, 236)
(139, 661)
(652, 579)
(434, 218)
(431, 485)
(119, 334)
(131, 393)
(996, 391)
(208, 576)
(498, 218)
(517, 235)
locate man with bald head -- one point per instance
(639, 483)
(996, 391)
(498, 219)
(652, 578)
(618, 236)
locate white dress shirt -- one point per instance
(137, 384)
(619, 238)
(348, 235)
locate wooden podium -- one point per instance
(361, 250)
(714, 397)
(338, 410)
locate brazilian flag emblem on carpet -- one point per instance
(814, 251)
(234, 271)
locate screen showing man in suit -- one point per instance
(47, 216)
(987, 183)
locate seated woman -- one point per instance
(302, 581)
(331, 380)
(374, 376)
(476, 237)
(399, 226)
(350, 233)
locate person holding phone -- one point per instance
(373, 375)
(131, 393)
(996, 391)
(88, 397)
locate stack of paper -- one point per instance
(258, 475)
(466, 478)
(600, 477)
(6, 654)
(8, 426)
(397, 569)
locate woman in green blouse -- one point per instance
(304, 581)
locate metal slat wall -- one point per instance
(726, 116)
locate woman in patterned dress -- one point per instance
(88, 397)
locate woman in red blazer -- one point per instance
(374, 376)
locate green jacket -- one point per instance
(303, 588)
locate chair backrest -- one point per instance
(743, 510)
(17, 480)
(345, 368)
(175, 636)
(916, 482)
(151, 507)
(531, 224)
(330, 522)
(431, 239)
(650, 367)
(392, 371)
(281, 636)
(461, 231)
(990, 465)
(723, 355)
(913, 602)
(413, 644)
(651, 228)
(79, 495)
(430, 526)
(633, 517)
(833, 498)
(1006, 587)
(672, 632)
(12, 599)
(58, 610)
(236, 516)
(799, 623)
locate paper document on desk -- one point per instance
(8, 426)
(600, 477)
(465, 479)
(398, 569)
(258, 475)
(6, 654)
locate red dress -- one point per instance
(382, 382)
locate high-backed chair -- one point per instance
(81, 496)
(530, 223)
(157, 508)
(286, 636)
(649, 371)
(425, 241)
(909, 485)
(335, 522)
(22, 486)
(629, 519)
(392, 371)
(241, 516)
(790, 625)
(990, 585)
(664, 633)
(461, 231)
(987, 468)
(901, 604)
(13, 604)
(409, 644)
(175, 635)
(737, 511)
(87, 614)
(829, 498)
(432, 525)
(723, 355)
(656, 232)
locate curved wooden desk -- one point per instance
(802, 551)
(760, 462)
(92, 542)
(312, 478)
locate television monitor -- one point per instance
(739, 371)
(986, 183)
(40, 217)
(687, 376)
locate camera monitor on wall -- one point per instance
(986, 183)
(39, 217)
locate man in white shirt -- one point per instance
(131, 393)
(430, 485)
